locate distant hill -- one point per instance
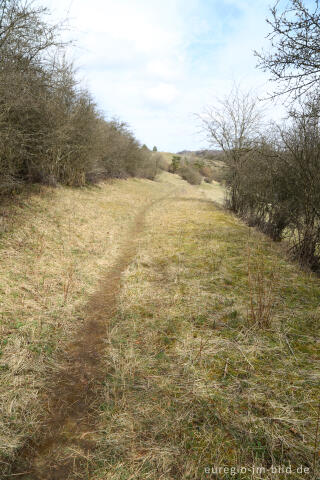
(201, 153)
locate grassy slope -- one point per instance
(191, 379)
(55, 245)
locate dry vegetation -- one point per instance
(212, 357)
(55, 244)
(193, 379)
(272, 175)
(51, 130)
(211, 353)
(195, 169)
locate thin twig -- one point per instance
(247, 360)
(290, 348)
(226, 368)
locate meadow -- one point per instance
(208, 353)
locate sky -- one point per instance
(155, 63)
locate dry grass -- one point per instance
(188, 383)
(55, 246)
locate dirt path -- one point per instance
(166, 373)
(69, 420)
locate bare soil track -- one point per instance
(69, 417)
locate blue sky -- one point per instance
(154, 63)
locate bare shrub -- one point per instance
(191, 175)
(261, 291)
(276, 183)
(302, 164)
(121, 155)
(149, 165)
(206, 171)
(162, 163)
(233, 125)
(51, 130)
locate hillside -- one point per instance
(149, 334)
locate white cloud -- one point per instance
(164, 69)
(162, 94)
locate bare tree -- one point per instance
(294, 59)
(25, 33)
(233, 125)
